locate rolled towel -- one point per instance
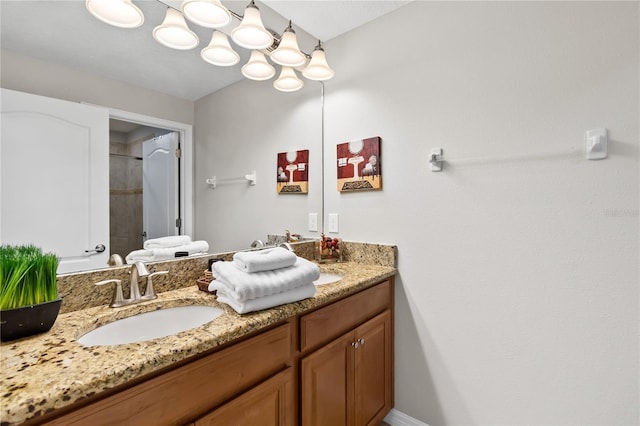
(260, 303)
(155, 254)
(264, 260)
(243, 286)
(170, 241)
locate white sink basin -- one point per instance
(326, 278)
(150, 325)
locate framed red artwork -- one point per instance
(293, 172)
(359, 165)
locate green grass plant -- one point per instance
(27, 276)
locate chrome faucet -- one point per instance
(138, 270)
(115, 260)
(287, 246)
(257, 243)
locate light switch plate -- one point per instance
(313, 222)
(333, 222)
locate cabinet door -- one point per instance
(268, 404)
(373, 370)
(327, 385)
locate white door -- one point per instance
(159, 186)
(54, 165)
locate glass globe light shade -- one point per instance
(251, 33)
(219, 51)
(174, 32)
(119, 13)
(258, 68)
(288, 53)
(206, 13)
(288, 81)
(318, 69)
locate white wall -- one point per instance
(243, 128)
(25, 74)
(517, 298)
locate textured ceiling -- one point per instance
(64, 32)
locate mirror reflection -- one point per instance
(127, 142)
(141, 181)
(253, 124)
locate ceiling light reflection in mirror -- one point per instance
(251, 34)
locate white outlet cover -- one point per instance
(313, 222)
(333, 222)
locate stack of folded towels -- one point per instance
(165, 248)
(263, 279)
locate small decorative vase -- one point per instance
(28, 320)
(328, 249)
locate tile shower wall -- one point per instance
(125, 195)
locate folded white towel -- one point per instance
(264, 260)
(243, 286)
(170, 241)
(294, 295)
(155, 254)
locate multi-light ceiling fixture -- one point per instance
(250, 34)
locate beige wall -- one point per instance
(517, 299)
(243, 128)
(31, 75)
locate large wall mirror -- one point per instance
(237, 130)
(65, 187)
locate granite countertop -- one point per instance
(51, 370)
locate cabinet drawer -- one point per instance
(334, 320)
(180, 395)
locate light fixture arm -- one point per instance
(236, 15)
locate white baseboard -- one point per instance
(398, 418)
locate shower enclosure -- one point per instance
(143, 182)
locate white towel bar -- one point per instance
(214, 181)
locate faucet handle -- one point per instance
(118, 297)
(149, 292)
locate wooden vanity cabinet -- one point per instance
(329, 367)
(346, 380)
(349, 381)
(183, 394)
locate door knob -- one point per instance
(99, 249)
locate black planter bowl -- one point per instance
(28, 320)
